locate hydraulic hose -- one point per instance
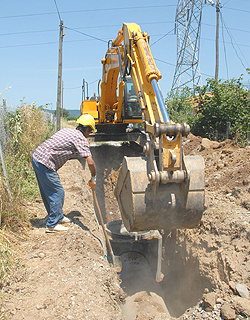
(160, 100)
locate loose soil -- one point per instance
(66, 276)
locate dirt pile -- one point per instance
(214, 257)
(67, 276)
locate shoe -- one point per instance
(57, 228)
(65, 220)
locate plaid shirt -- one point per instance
(63, 145)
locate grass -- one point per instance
(7, 254)
(69, 123)
(27, 130)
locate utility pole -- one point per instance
(217, 6)
(59, 84)
(217, 39)
(62, 106)
(85, 84)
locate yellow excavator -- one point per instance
(163, 189)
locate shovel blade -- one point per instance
(115, 262)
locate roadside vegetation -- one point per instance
(212, 108)
(27, 128)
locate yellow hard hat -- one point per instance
(86, 120)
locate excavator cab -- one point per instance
(131, 104)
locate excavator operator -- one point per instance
(50, 156)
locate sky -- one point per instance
(29, 44)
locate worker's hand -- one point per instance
(92, 183)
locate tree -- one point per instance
(180, 107)
(65, 113)
(218, 103)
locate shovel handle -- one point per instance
(102, 223)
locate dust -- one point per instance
(215, 256)
(67, 276)
(108, 159)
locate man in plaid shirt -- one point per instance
(50, 156)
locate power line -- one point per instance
(241, 10)
(171, 64)
(162, 37)
(88, 27)
(241, 45)
(234, 9)
(85, 34)
(86, 10)
(212, 25)
(109, 26)
(27, 32)
(57, 11)
(231, 37)
(72, 88)
(83, 40)
(94, 81)
(81, 87)
(28, 45)
(224, 45)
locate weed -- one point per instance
(6, 256)
(27, 130)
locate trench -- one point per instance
(158, 276)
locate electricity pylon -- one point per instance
(188, 27)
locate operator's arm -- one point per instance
(91, 165)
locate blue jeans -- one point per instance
(52, 192)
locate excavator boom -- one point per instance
(162, 189)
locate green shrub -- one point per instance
(72, 118)
(180, 108)
(221, 102)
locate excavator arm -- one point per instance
(145, 75)
(163, 189)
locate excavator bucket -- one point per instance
(167, 206)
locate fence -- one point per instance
(49, 117)
(4, 140)
(4, 132)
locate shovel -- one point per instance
(115, 261)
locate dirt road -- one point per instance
(66, 276)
